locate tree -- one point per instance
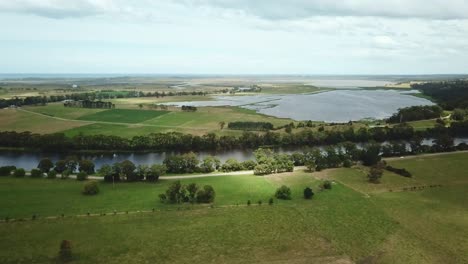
(443, 142)
(86, 166)
(308, 193)
(60, 166)
(206, 195)
(52, 174)
(36, 173)
(192, 190)
(155, 172)
(222, 124)
(71, 163)
(209, 164)
(19, 172)
(310, 165)
(283, 193)
(45, 165)
(6, 170)
(175, 193)
(127, 169)
(81, 176)
(107, 172)
(371, 154)
(90, 188)
(375, 174)
(65, 252)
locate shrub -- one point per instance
(162, 198)
(91, 188)
(347, 163)
(327, 185)
(402, 172)
(283, 193)
(248, 202)
(19, 172)
(36, 173)
(206, 195)
(81, 176)
(65, 174)
(65, 253)
(375, 174)
(310, 165)
(6, 170)
(52, 174)
(249, 164)
(270, 201)
(45, 165)
(86, 166)
(308, 193)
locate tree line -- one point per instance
(448, 94)
(413, 113)
(248, 125)
(174, 141)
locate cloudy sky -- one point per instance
(234, 36)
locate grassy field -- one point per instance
(129, 122)
(354, 222)
(123, 115)
(17, 120)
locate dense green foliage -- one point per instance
(19, 172)
(36, 173)
(448, 94)
(414, 113)
(179, 193)
(283, 193)
(6, 170)
(259, 126)
(90, 188)
(181, 142)
(81, 176)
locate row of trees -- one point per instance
(448, 94)
(89, 104)
(191, 193)
(189, 108)
(180, 142)
(413, 113)
(248, 125)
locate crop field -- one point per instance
(354, 222)
(18, 120)
(123, 115)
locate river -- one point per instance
(29, 160)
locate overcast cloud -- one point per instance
(261, 36)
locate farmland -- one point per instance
(128, 122)
(355, 221)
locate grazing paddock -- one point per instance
(123, 115)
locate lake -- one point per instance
(331, 106)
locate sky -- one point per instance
(234, 37)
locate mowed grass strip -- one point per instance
(123, 116)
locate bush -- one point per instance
(402, 172)
(270, 201)
(19, 172)
(283, 193)
(327, 185)
(86, 166)
(52, 174)
(206, 195)
(65, 174)
(6, 170)
(308, 193)
(347, 163)
(36, 173)
(45, 165)
(82, 176)
(65, 253)
(375, 174)
(249, 164)
(91, 188)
